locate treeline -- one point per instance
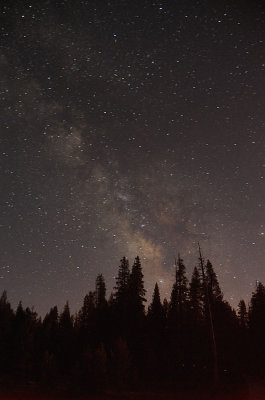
(116, 344)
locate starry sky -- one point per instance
(130, 128)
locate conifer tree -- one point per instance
(257, 328)
(195, 294)
(209, 315)
(6, 316)
(156, 319)
(177, 316)
(87, 310)
(50, 330)
(178, 300)
(65, 319)
(136, 287)
(100, 292)
(166, 307)
(6, 320)
(5, 310)
(242, 314)
(51, 318)
(257, 309)
(213, 287)
(66, 348)
(24, 328)
(155, 310)
(156, 314)
(122, 281)
(86, 321)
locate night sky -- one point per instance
(130, 128)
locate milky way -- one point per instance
(130, 128)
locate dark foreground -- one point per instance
(252, 390)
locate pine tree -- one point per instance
(66, 341)
(86, 322)
(179, 294)
(122, 281)
(65, 319)
(6, 317)
(51, 318)
(242, 314)
(100, 292)
(213, 287)
(156, 318)
(241, 341)
(155, 310)
(136, 287)
(207, 297)
(6, 320)
(5, 309)
(196, 295)
(257, 309)
(87, 310)
(257, 329)
(177, 318)
(50, 330)
(166, 307)
(24, 330)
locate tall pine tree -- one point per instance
(100, 292)
(136, 287)
(179, 294)
(155, 310)
(242, 314)
(122, 281)
(257, 328)
(215, 293)
(196, 295)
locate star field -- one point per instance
(130, 129)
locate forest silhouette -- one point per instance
(193, 340)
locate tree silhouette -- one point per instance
(179, 294)
(66, 341)
(214, 290)
(155, 310)
(87, 310)
(155, 347)
(50, 338)
(257, 328)
(122, 281)
(6, 323)
(242, 314)
(256, 309)
(196, 296)
(23, 335)
(100, 296)
(116, 345)
(136, 287)
(207, 279)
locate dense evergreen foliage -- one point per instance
(116, 344)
